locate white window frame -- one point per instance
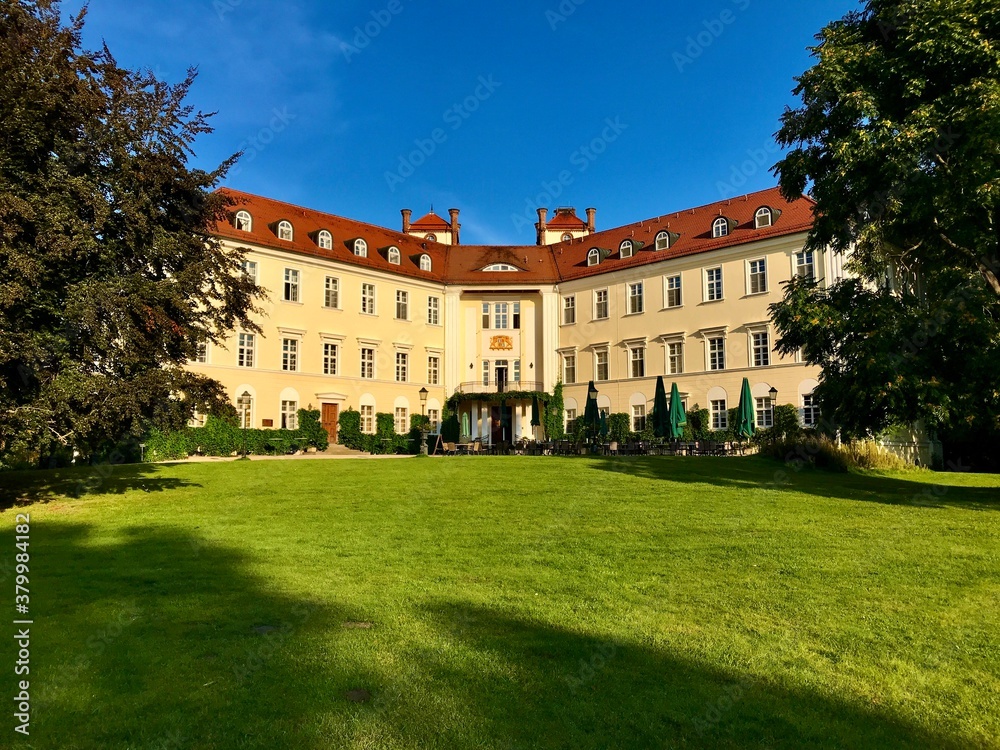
(798, 264)
(630, 287)
(250, 269)
(286, 232)
(597, 365)
(292, 288)
(394, 256)
(368, 298)
(761, 274)
(765, 359)
(501, 316)
(810, 409)
(368, 363)
(425, 263)
(402, 367)
(290, 351)
(593, 257)
(569, 310)
(667, 289)
(606, 303)
(246, 349)
(719, 416)
(243, 221)
(633, 360)
(434, 311)
(360, 248)
(720, 354)
(324, 240)
(433, 369)
(201, 356)
(674, 362)
(764, 412)
(758, 216)
(638, 412)
(663, 241)
(720, 228)
(569, 367)
(400, 419)
(331, 293)
(711, 285)
(402, 304)
(368, 419)
(626, 249)
(331, 362)
(289, 416)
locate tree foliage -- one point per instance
(898, 138)
(109, 279)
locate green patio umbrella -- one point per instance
(591, 414)
(536, 420)
(661, 413)
(677, 416)
(746, 423)
(604, 425)
(465, 424)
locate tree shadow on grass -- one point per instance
(42, 486)
(761, 473)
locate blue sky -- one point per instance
(361, 108)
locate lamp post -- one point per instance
(592, 396)
(245, 400)
(773, 393)
(423, 422)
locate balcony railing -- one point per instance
(503, 386)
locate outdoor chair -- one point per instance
(613, 448)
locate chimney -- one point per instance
(591, 214)
(407, 213)
(455, 226)
(542, 224)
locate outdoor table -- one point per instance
(463, 449)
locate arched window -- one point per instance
(394, 255)
(431, 237)
(763, 218)
(593, 257)
(663, 241)
(567, 237)
(720, 227)
(425, 263)
(361, 248)
(625, 249)
(500, 268)
(285, 231)
(325, 240)
(243, 221)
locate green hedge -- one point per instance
(224, 437)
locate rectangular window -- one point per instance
(717, 354)
(250, 269)
(638, 357)
(672, 291)
(675, 358)
(765, 412)
(758, 276)
(638, 418)
(516, 317)
(569, 368)
(244, 356)
(402, 366)
(289, 415)
(486, 316)
(400, 421)
(368, 299)
(434, 311)
(331, 292)
(635, 298)
(517, 371)
(713, 284)
(367, 363)
(291, 285)
(368, 420)
(330, 352)
(500, 313)
(402, 305)
(603, 372)
(290, 355)
(805, 265)
(202, 356)
(601, 304)
(810, 410)
(433, 370)
(434, 417)
(197, 419)
(569, 311)
(761, 349)
(486, 372)
(570, 420)
(720, 415)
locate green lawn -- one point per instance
(515, 603)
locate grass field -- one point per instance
(513, 603)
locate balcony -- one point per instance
(501, 386)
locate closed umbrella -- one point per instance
(661, 414)
(465, 424)
(591, 414)
(678, 418)
(746, 423)
(536, 420)
(604, 425)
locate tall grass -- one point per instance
(824, 453)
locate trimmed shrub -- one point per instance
(349, 431)
(619, 427)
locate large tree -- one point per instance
(898, 141)
(109, 278)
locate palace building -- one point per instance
(363, 317)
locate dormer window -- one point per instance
(361, 248)
(663, 241)
(285, 231)
(594, 257)
(243, 221)
(499, 268)
(763, 218)
(325, 240)
(626, 248)
(567, 237)
(394, 255)
(431, 237)
(425, 263)
(720, 227)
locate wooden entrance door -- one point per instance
(331, 413)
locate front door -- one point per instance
(331, 413)
(501, 375)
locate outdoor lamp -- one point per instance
(245, 401)
(423, 424)
(423, 399)
(592, 393)
(773, 393)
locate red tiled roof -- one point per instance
(307, 224)
(430, 221)
(695, 229)
(462, 264)
(566, 219)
